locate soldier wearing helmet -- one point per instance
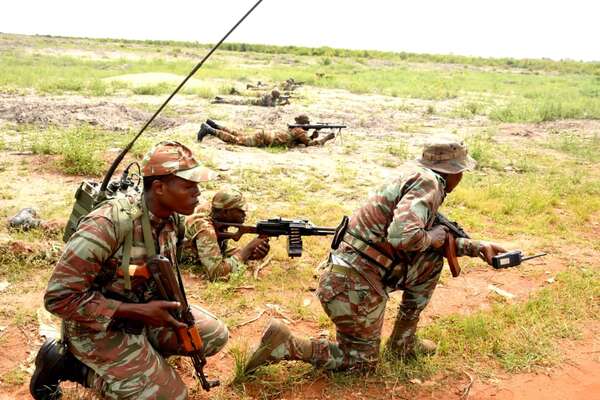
(216, 256)
(289, 138)
(390, 243)
(116, 335)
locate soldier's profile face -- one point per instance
(232, 216)
(452, 181)
(178, 195)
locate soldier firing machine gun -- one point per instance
(294, 229)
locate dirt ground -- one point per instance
(373, 123)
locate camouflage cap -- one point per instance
(446, 154)
(302, 119)
(174, 158)
(229, 199)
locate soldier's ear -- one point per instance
(159, 187)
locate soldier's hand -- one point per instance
(255, 247)
(157, 313)
(262, 248)
(489, 250)
(438, 236)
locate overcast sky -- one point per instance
(491, 28)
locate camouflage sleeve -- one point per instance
(421, 200)
(468, 247)
(69, 293)
(209, 253)
(300, 136)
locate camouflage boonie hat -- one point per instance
(447, 154)
(302, 119)
(174, 158)
(229, 199)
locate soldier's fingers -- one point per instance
(175, 323)
(171, 305)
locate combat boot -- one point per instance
(205, 130)
(53, 364)
(277, 343)
(214, 125)
(404, 343)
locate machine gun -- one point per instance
(171, 289)
(294, 229)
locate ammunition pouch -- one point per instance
(370, 252)
(394, 268)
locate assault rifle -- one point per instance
(505, 260)
(454, 231)
(171, 289)
(294, 229)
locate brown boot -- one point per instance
(404, 343)
(278, 343)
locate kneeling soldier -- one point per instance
(116, 334)
(391, 235)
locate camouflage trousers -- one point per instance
(357, 310)
(257, 139)
(127, 366)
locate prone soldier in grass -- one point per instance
(118, 334)
(272, 99)
(216, 256)
(289, 138)
(390, 243)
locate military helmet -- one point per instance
(275, 93)
(171, 157)
(302, 119)
(229, 199)
(447, 154)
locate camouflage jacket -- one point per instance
(396, 217)
(87, 284)
(291, 137)
(217, 258)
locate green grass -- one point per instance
(572, 93)
(518, 337)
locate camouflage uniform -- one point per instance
(351, 287)
(127, 359)
(390, 226)
(217, 258)
(267, 100)
(289, 138)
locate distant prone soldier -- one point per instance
(290, 85)
(268, 100)
(294, 136)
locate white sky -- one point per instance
(491, 28)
